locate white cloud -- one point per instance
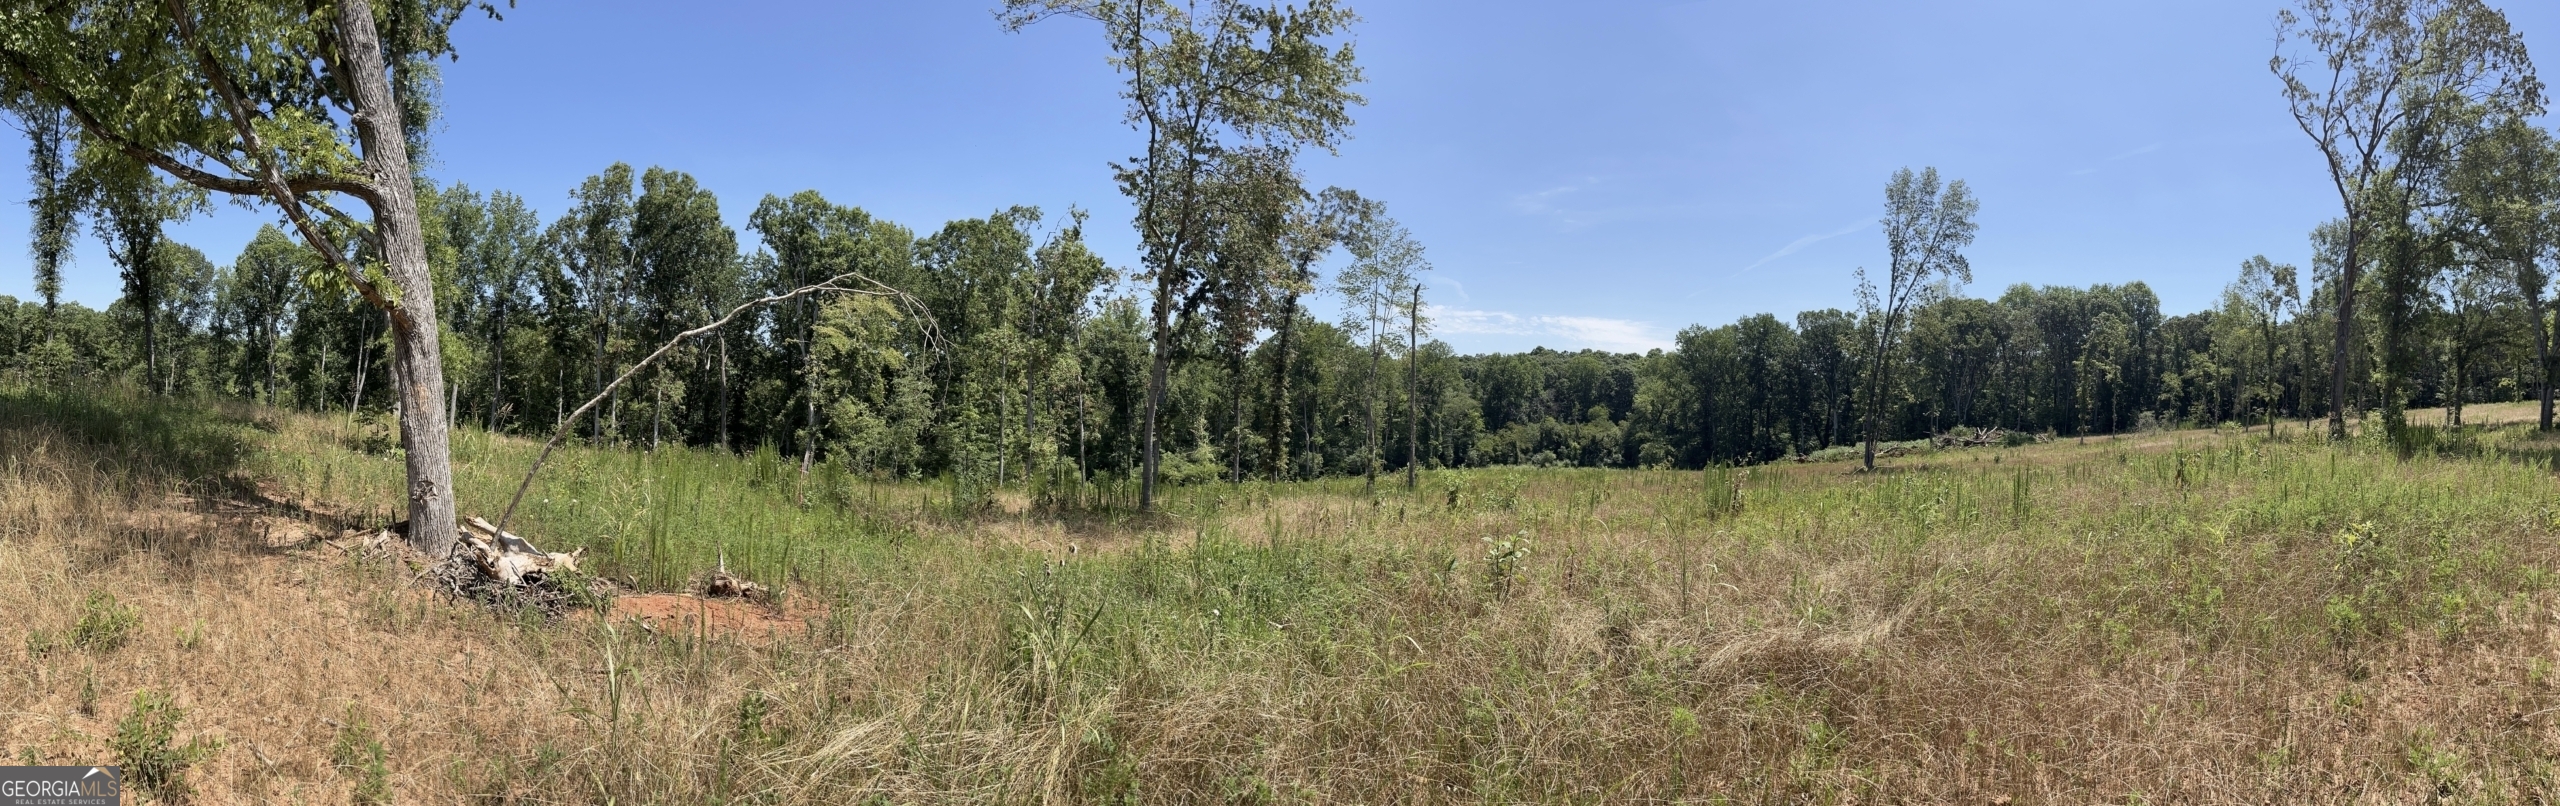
(2135, 153)
(1803, 242)
(1569, 332)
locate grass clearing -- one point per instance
(2195, 616)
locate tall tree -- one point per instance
(260, 299)
(288, 102)
(1926, 228)
(593, 240)
(1313, 228)
(1373, 290)
(2507, 203)
(1208, 82)
(685, 267)
(2377, 68)
(2266, 293)
(52, 206)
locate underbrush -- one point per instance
(2175, 617)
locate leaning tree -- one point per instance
(298, 104)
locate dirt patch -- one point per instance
(726, 619)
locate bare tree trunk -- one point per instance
(2541, 354)
(1413, 393)
(1235, 420)
(1158, 366)
(1084, 471)
(414, 330)
(497, 364)
(1280, 391)
(2339, 342)
(1377, 355)
(724, 390)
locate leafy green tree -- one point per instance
(1219, 89)
(1926, 228)
(259, 298)
(2506, 193)
(294, 104)
(2378, 70)
(592, 241)
(2265, 295)
(685, 269)
(1374, 291)
(53, 207)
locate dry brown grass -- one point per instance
(2180, 618)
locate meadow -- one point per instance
(2198, 616)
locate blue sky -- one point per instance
(1591, 174)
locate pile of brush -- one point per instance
(502, 569)
(1983, 438)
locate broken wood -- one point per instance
(507, 557)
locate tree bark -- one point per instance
(414, 333)
(2541, 353)
(2349, 271)
(1377, 355)
(1280, 390)
(1158, 366)
(1413, 393)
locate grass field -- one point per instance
(2179, 617)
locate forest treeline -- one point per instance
(1030, 354)
(1002, 348)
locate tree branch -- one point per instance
(932, 339)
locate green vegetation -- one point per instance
(2248, 616)
(145, 746)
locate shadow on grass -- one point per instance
(172, 474)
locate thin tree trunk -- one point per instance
(2349, 273)
(1280, 391)
(1235, 420)
(2541, 355)
(724, 390)
(1158, 365)
(1413, 393)
(1084, 471)
(1377, 355)
(497, 364)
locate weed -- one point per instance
(358, 754)
(104, 623)
(144, 744)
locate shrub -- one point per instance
(144, 745)
(104, 623)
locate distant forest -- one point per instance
(1001, 348)
(1037, 357)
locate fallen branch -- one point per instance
(828, 285)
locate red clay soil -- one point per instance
(729, 619)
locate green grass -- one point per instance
(2185, 616)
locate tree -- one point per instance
(593, 242)
(2383, 66)
(2266, 292)
(291, 103)
(1313, 227)
(2507, 200)
(1374, 289)
(685, 269)
(1210, 83)
(53, 210)
(1925, 230)
(133, 204)
(260, 296)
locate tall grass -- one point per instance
(2178, 617)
